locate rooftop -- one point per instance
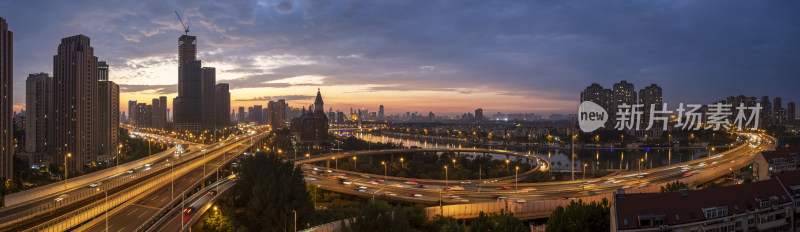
(677, 209)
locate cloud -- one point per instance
(284, 7)
(275, 98)
(697, 51)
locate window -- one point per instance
(625, 221)
(645, 222)
(677, 218)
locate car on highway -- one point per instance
(212, 192)
(346, 183)
(147, 165)
(493, 196)
(503, 188)
(95, 184)
(466, 182)
(129, 171)
(411, 182)
(188, 210)
(62, 197)
(423, 186)
(455, 188)
(565, 198)
(362, 187)
(416, 195)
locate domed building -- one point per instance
(312, 126)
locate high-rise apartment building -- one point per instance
(107, 119)
(132, 112)
(74, 105)
(39, 123)
(102, 71)
(479, 114)
(651, 96)
(766, 112)
(380, 112)
(223, 104)
(163, 112)
(188, 104)
(257, 114)
(7, 101)
(277, 113)
(597, 94)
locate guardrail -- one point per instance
(55, 205)
(203, 209)
(87, 212)
(80, 181)
(543, 208)
(155, 220)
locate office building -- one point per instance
(223, 104)
(38, 125)
(381, 114)
(163, 112)
(240, 117)
(75, 103)
(208, 82)
(256, 115)
(107, 119)
(187, 105)
(144, 115)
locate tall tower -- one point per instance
(132, 112)
(188, 104)
(208, 80)
(7, 101)
(74, 105)
(380, 112)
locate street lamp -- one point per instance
(66, 174)
(118, 152)
(516, 179)
(507, 163)
(308, 156)
(454, 163)
(402, 165)
(445, 176)
(384, 172)
(355, 163)
(584, 171)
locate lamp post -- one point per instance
(118, 152)
(295, 220)
(402, 165)
(66, 173)
(516, 180)
(584, 171)
(384, 173)
(507, 165)
(445, 176)
(355, 164)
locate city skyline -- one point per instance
(285, 50)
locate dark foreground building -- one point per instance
(312, 126)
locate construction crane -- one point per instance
(185, 28)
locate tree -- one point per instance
(379, 216)
(268, 191)
(674, 187)
(579, 216)
(496, 222)
(219, 222)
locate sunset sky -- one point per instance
(446, 56)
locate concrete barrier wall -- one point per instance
(81, 181)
